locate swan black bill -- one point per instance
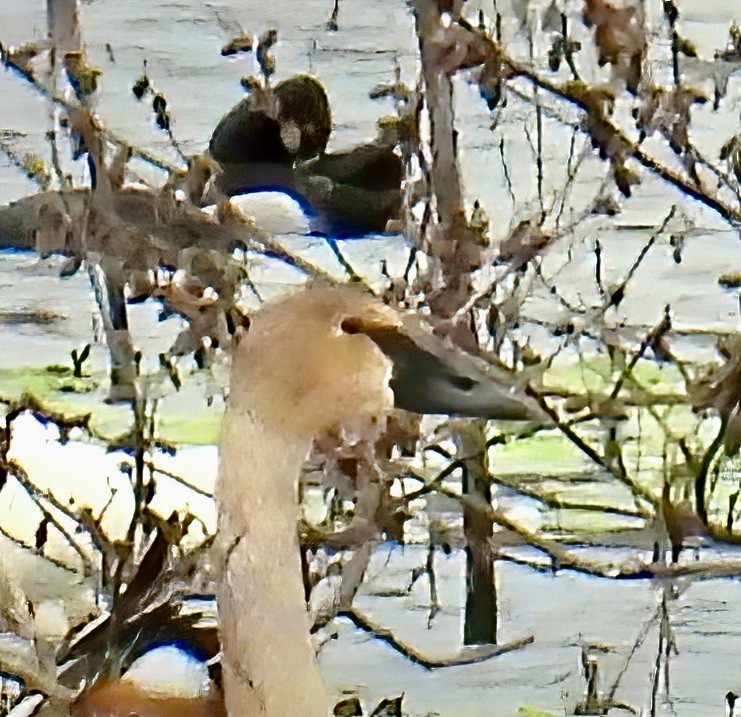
(436, 379)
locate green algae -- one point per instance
(59, 391)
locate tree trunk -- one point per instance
(480, 626)
(108, 282)
(439, 96)
(64, 32)
(64, 27)
(455, 247)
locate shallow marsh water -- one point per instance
(181, 41)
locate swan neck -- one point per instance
(269, 664)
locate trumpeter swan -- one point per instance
(322, 359)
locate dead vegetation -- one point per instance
(471, 286)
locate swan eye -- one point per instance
(351, 325)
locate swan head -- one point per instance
(330, 358)
(304, 368)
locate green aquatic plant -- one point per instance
(79, 358)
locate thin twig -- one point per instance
(637, 489)
(567, 93)
(565, 559)
(467, 656)
(505, 169)
(110, 136)
(178, 479)
(39, 497)
(38, 553)
(642, 635)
